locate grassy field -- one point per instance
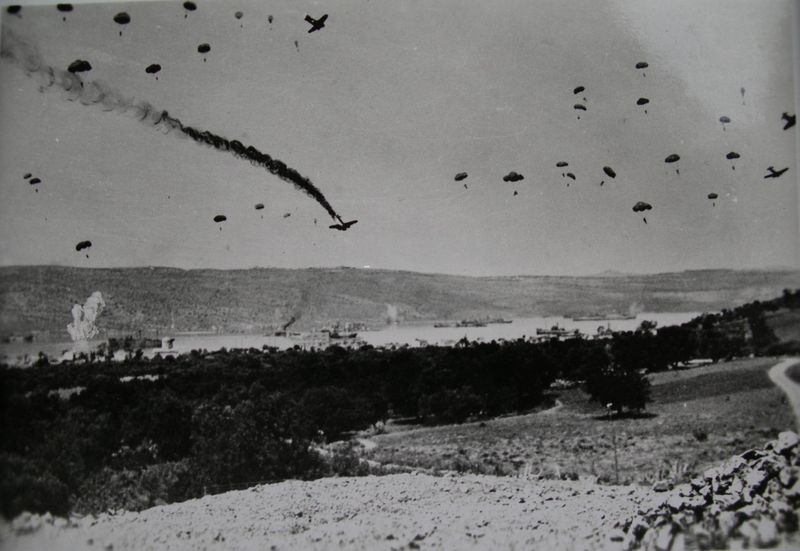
(785, 324)
(697, 418)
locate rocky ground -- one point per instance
(402, 511)
(750, 501)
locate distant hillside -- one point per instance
(39, 298)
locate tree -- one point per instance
(622, 383)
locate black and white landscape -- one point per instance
(515, 275)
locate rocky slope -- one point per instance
(752, 500)
(403, 511)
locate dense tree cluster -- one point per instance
(73, 434)
(94, 435)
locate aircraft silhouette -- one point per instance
(342, 226)
(791, 120)
(316, 24)
(775, 173)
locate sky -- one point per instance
(382, 108)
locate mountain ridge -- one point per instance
(254, 300)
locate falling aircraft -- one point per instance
(791, 120)
(343, 226)
(316, 24)
(775, 173)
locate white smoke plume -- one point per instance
(635, 309)
(83, 325)
(392, 314)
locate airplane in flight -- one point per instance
(791, 120)
(342, 226)
(316, 24)
(775, 173)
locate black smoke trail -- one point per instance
(96, 92)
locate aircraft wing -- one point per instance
(311, 19)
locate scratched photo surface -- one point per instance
(533, 264)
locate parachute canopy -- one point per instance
(513, 177)
(270, 19)
(460, 176)
(642, 101)
(27, 175)
(578, 89)
(153, 69)
(259, 206)
(642, 206)
(190, 6)
(724, 120)
(122, 18)
(204, 48)
(732, 155)
(64, 7)
(562, 164)
(712, 195)
(570, 175)
(238, 15)
(672, 158)
(83, 245)
(642, 65)
(579, 107)
(79, 66)
(13, 9)
(287, 215)
(34, 181)
(609, 171)
(220, 218)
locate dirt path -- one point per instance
(791, 388)
(556, 407)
